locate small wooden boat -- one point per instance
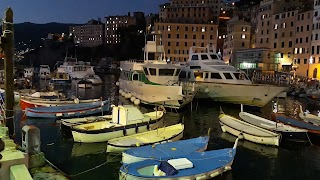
(248, 131)
(165, 151)
(313, 131)
(126, 120)
(27, 102)
(197, 165)
(68, 111)
(85, 84)
(66, 124)
(287, 132)
(160, 135)
(310, 118)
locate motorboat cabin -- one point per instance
(208, 66)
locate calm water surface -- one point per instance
(252, 161)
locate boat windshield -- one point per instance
(214, 56)
(166, 72)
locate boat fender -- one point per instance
(124, 132)
(137, 128)
(206, 90)
(117, 83)
(227, 168)
(214, 174)
(201, 177)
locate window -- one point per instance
(204, 57)
(166, 72)
(177, 36)
(215, 76)
(169, 43)
(135, 77)
(275, 35)
(194, 57)
(282, 44)
(198, 75)
(243, 36)
(227, 75)
(178, 72)
(153, 71)
(213, 56)
(186, 36)
(169, 35)
(146, 71)
(275, 45)
(240, 76)
(206, 75)
(194, 37)
(195, 67)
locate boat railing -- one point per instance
(274, 79)
(2, 110)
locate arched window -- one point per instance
(315, 71)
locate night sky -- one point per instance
(74, 11)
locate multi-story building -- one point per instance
(238, 37)
(186, 23)
(314, 60)
(112, 23)
(88, 35)
(302, 44)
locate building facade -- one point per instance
(238, 37)
(112, 23)
(88, 35)
(186, 23)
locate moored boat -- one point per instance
(160, 135)
(165, 151)
(248, 131)
(310, 118)
(197, 165)
(68, 111)
(222, 82)
(29, 102)
(287, 132)
(126, 120)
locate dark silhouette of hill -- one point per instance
(24, 32)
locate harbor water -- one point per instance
(253, 161)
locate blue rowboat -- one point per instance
(68, 111)
(166, 150)
(197, 165)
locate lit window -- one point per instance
(169, 28)
(107, 22)
(224, 36)
(219, 37)
(244, 29)
(276, 26)
(203, 29)
(243, 36)
(284, 25)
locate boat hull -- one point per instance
(38, 102)
(167, 96)
(246, 94)
(101, 136)
(113, 148)
(69, 112)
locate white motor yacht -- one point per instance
(77, 69)
(154, 82)
(223, 82)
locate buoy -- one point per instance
(137, 101)
(214, 174)
(117, 83)
(120, 90)
(132, 98)
(223, 129)
(129, 95)
(206, 90)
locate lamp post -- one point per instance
(310, 62)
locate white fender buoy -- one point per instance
(129, 95)
(120, 91)
(126, 95)
(117, 83)
(206, 90)
(137, 101)
(132, 98)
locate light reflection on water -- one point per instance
(252, 161)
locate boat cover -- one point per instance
(296, 123)
(170, 149)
